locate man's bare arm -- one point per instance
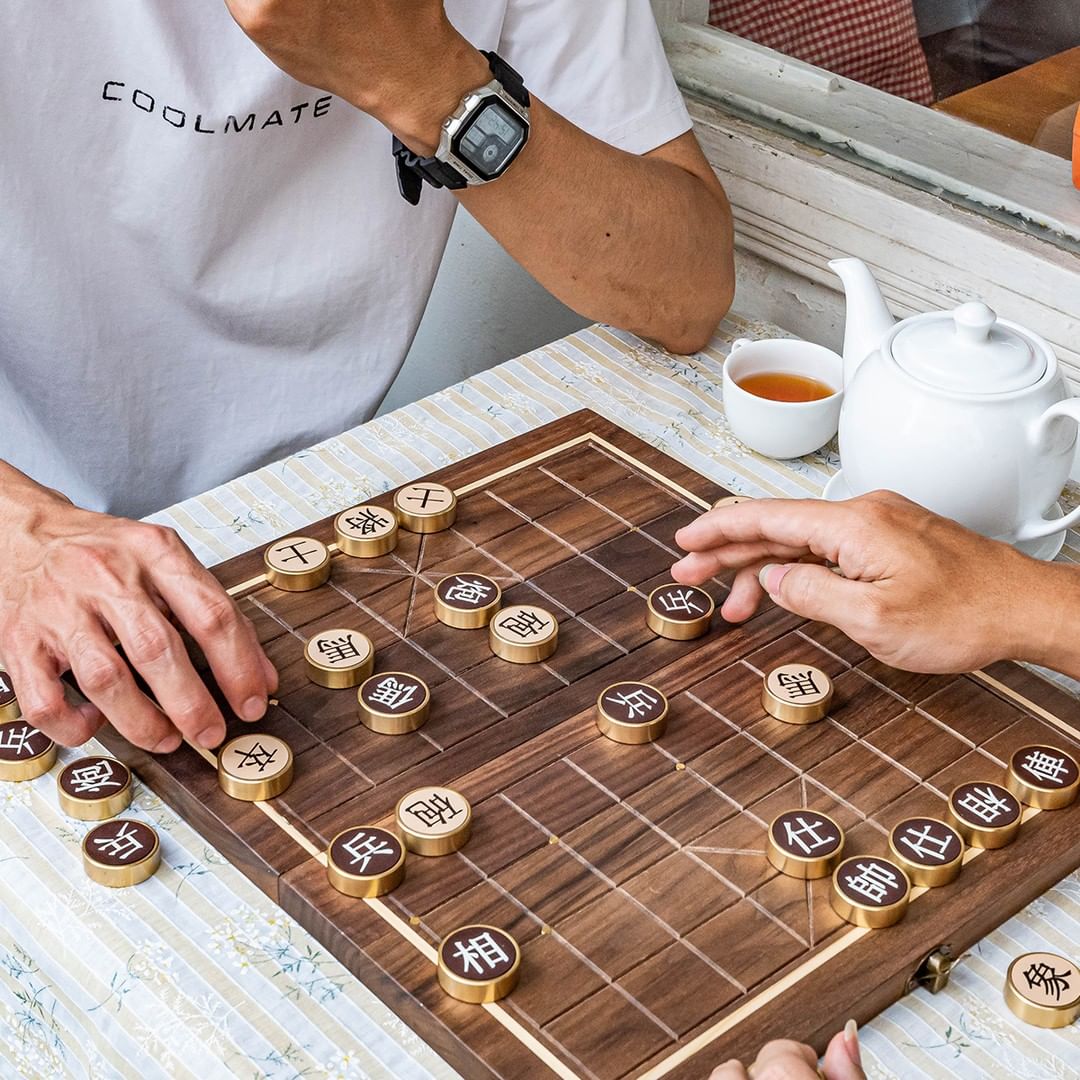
(641, 242)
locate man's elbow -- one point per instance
(690, 319)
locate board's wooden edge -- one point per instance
(956, 919)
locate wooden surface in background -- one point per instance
(1017, 104)
(656, 938)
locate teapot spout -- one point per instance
(867, 320)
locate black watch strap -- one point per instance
(511, 81)
(413, 170)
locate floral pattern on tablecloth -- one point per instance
(196, 974)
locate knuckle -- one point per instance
(98, 672)
(158, 539)
(38, 712)
(191, 716)
(217, 615)
(94, 559)
(149, 644)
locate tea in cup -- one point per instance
(782, 396)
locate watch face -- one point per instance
(491, 140)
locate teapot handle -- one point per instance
(1069, 409)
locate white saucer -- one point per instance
(1046, 548)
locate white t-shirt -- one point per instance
(204, 264)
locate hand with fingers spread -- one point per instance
(786, 1060)
(76, 583)
(918, 591)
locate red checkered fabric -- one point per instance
(871, 41)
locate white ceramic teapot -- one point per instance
(961, 411)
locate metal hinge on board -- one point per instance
(934, 970)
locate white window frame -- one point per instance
(1008, 234)
(932, 149)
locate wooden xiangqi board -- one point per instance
(656, 938)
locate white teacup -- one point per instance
(782, 429)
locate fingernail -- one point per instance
(771, 577)
(209, 737)
(168, 744)
(851, 1042)
(253, 709)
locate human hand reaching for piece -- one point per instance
(918, 591)
(77, 582)
(786, 1060)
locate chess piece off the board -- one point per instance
(94, 788)
(986, 815)
(365, 862)
(9, 703)
(338, 659)
(255, 767)
(25, 752)
(1043, 989)
(1043, 776)
(805, 844)
(524, 634)
(297, 564)
(467, 601)
(434, 820)
(797, 694)
(394, 703)
(425, 507)
(870, 891)
(679, 612)
(631, 713)
(366, 532)
(121, 852)
(478, 964)
(930, 851)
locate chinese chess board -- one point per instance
(656, 938)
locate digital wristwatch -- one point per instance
(479, 141)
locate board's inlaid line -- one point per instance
(648, 470)
(518, 466)
(581, 554)
(686, 767)
(644, 1010)
(800, 773)
(1007, 691)
(679, 847)
(801, 632)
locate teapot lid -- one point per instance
(969, 351)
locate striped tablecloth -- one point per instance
(195, 974)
